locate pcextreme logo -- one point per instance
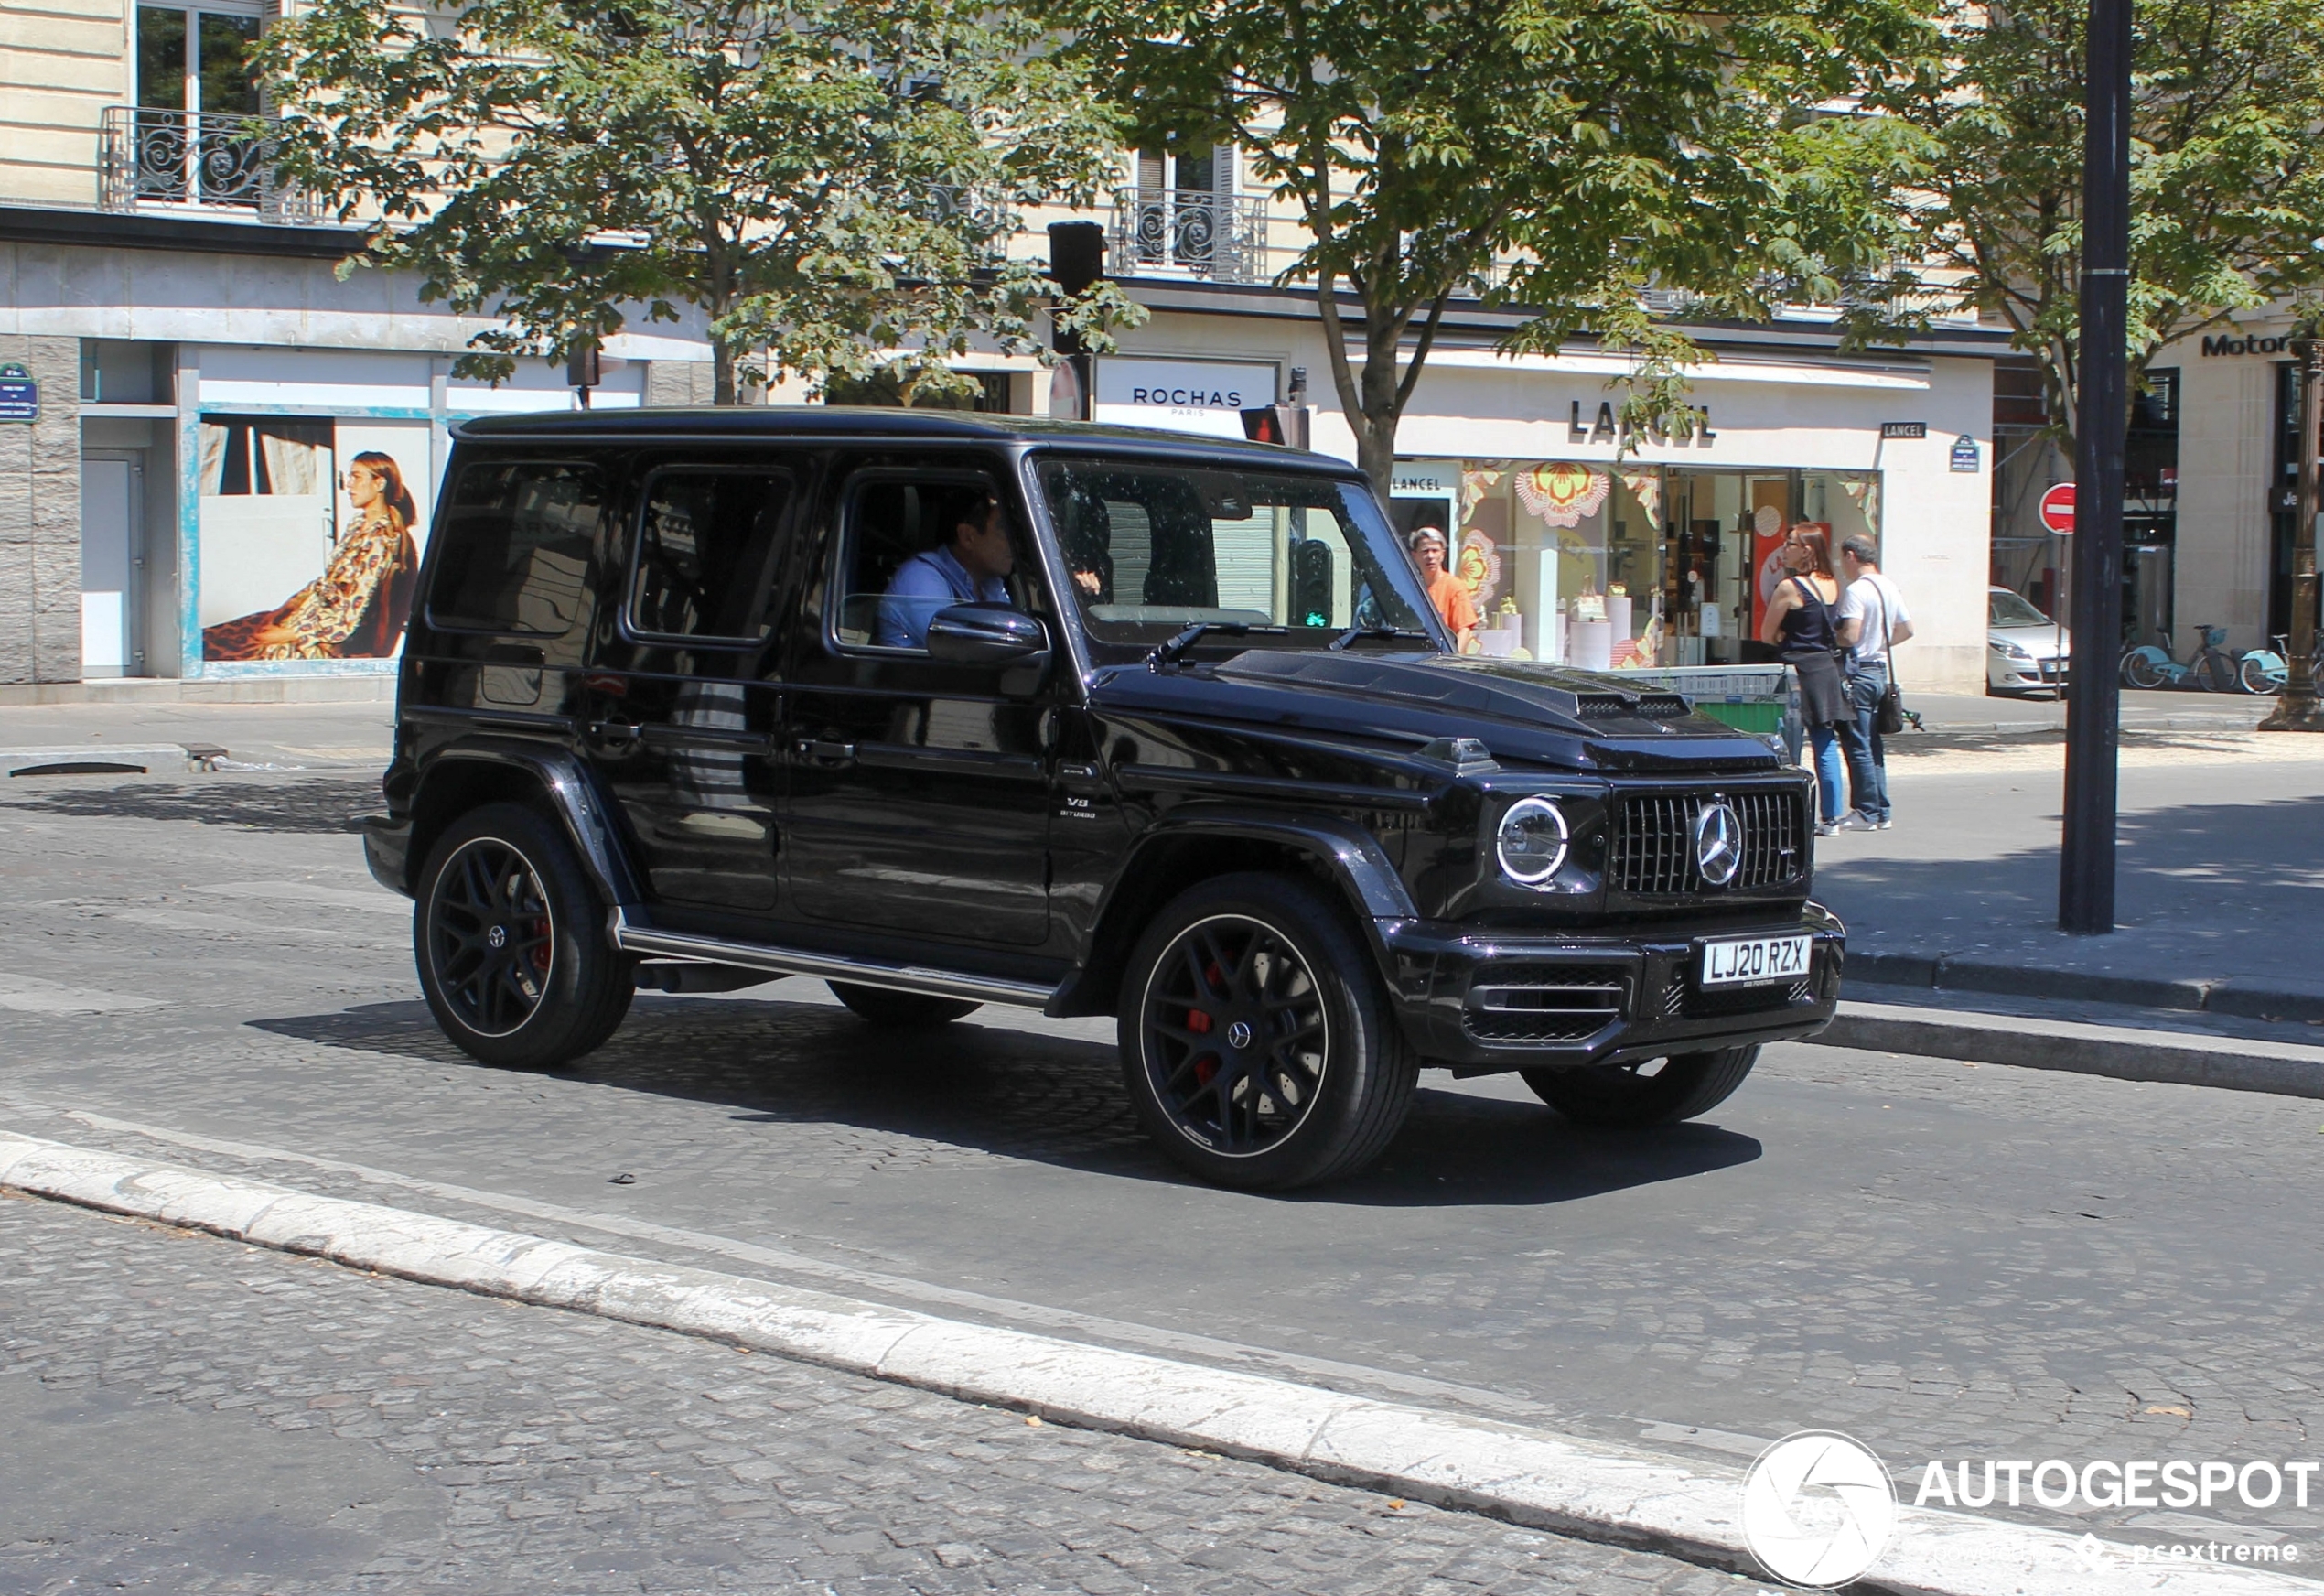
(1818, 1509)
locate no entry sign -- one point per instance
(2058, 508)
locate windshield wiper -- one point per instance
(1355, 634)
(1173, 651)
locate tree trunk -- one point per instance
(722, 374)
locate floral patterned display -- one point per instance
(1479, 567)
(1561, 493)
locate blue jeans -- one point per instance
(1867, 755)
(1826, 743)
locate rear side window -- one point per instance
(515, 538)
(710, 548)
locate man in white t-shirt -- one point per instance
(1872, 622)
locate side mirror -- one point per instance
(986, 634)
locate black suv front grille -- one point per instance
(1544, 1002)
(1653, 852)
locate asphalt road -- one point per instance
(1946, 1261)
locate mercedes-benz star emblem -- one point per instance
(496, 937)
(1238, 1035)
(1719, 843)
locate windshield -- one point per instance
(2009, 610)
(1155, 548)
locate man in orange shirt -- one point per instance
(1448, 592)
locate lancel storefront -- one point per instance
(1581, 550)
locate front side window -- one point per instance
(710, 546)
(916, 545)
(516, 538)
(1155, 548)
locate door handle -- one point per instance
(824, 751)
(617, 733)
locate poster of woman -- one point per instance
(356, 609)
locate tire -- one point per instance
(1617, 1096)
(551, 988)
(1268, 956)
(2258, 678)
(2215, 672)
(2138, 670)
(899, 1011)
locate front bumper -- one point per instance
(1483, 1002)
(387, 850)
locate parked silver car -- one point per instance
(2026, 652)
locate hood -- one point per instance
(1530, 713)
(2041, 642)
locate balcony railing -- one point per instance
(1189, 231)
(173, 159)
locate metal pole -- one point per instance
(2102, 425)
(2297, 709)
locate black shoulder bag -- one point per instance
(1889, 719)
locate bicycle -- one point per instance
(2209, 667)
(2266, 670)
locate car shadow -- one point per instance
(1047, 1099)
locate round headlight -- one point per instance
(1532, 842)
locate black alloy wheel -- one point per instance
(508, 938)
(1256, 1039)
(1236, 1031)
(490, 936)
(1654, 1092)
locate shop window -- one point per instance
(882, 390)
(710, 547)
(520, 535)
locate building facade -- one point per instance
(236, 447)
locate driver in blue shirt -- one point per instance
(973, 568)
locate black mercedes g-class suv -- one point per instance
(949, 709)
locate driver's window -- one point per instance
(914, 545)
(710, 548)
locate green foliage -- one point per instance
(2227, 192)
(824, 182)
(1559, 154)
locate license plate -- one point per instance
(1750, 960)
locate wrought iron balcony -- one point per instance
(1189, 231)
(172, 159)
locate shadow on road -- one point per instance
(322, 806)
(1047, 1099)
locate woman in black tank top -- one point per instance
(1802, 624)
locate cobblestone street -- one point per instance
(299, 1427)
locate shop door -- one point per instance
(109, 498)
(919, 791)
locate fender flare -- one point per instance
(589, 819)
(1357, 864)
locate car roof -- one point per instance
(853, 423)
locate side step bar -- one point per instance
(751, 956)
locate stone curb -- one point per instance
(1584, 1489)
(166, 754)
(2244, 999)
(2080, 1048)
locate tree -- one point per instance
(1558, 154)
(2227, 199)
(825, 181)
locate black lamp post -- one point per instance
(2297, 709)
(2102, 426)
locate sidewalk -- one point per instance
(2220, 886)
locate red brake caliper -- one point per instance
(1199, 1023)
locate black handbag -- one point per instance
(1889, 719)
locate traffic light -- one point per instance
(1285, 424)
(1311, 583)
